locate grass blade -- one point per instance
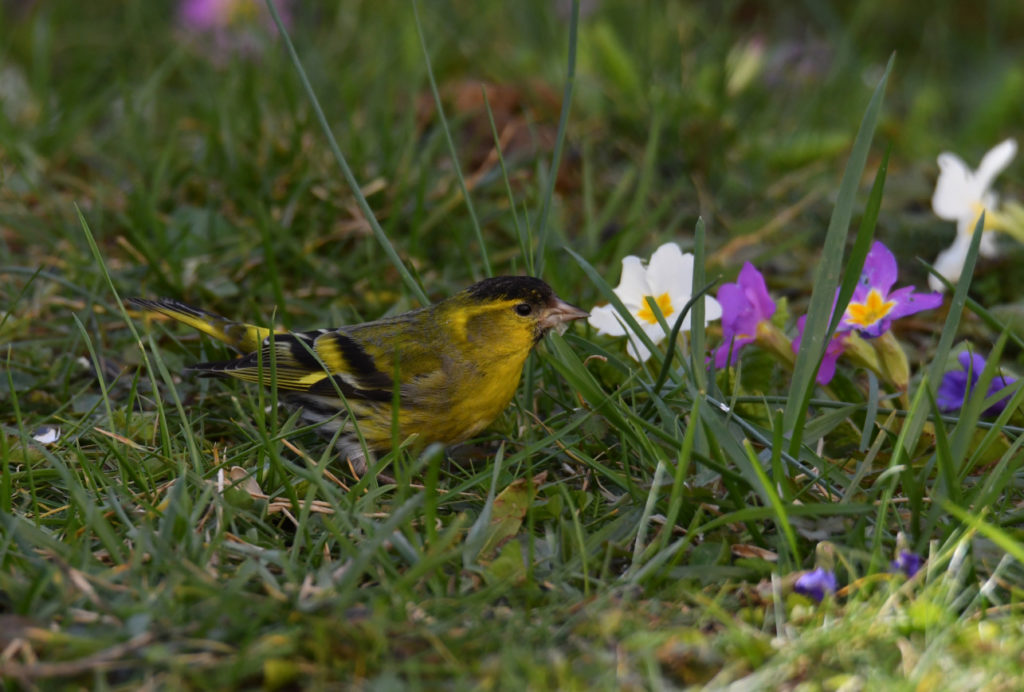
(556, 157)
(350, 178)
(448, 138)
(826, 278)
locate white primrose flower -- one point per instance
(961, 195)
(668, 279)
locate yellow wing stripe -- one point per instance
(286, 379)
(330, 354)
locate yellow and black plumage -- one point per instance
(457, 362)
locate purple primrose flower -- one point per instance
(211, 15)
(957, 385)
(816, 583)
(745, 305)
(874, 305)
(231, 27)
(907, 562)
(833, 350)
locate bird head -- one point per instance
(511, 311)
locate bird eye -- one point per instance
(524, 309)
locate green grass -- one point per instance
(620, 526)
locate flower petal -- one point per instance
(834, 349)
(656, 333)
(730, 350)
(908, 302)
(972, 363)
(671, 271)
(756, 291)
(952, 391)
(633, 285)
(800, 322)
(880, 270)
(989, 246)
(957, 385)
(46, 435)
(954, 190)
(816, 583)
(606, 320)
(636, 350)
(994, 162)
(907, 562)
(950, 262)
(712, 309)
(999, 383)
(739, 316)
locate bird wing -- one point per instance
(359, 361)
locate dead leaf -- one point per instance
(508, 512)
(752, 551)
(244, 480)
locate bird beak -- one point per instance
(558, 314)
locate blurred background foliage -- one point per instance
(204, 176)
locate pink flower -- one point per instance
(235, 26)
(745, 305)
(213, 15)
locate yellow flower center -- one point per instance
(870, 311)
(993, 220)
(664, 303)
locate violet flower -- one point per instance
(907, 562)
(816, 583)
(746, 305)
(957, 385)
(212, 15)
(834, 349)
(232, 26)
(874, 305)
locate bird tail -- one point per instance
(243, 337)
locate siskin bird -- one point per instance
(454, 365)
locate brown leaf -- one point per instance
(752, 551)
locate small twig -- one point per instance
(102, 660)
